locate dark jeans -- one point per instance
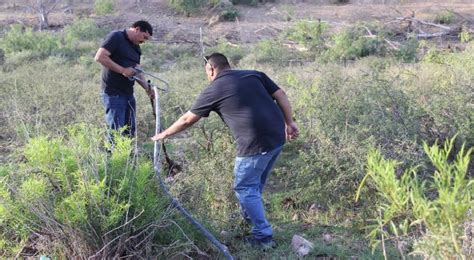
(120, 113)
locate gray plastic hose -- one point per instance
(157, 166)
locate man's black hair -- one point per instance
(218, 61)
(144, 26)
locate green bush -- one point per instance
(188, 6)
(434, 210)
(352, 43)
(230, 14)
(409, 50)
(82, 30)
(313, 35)
(71, 190)
(18, 39)
(445, 17)
(234, 52)
(102, 7)
(271, 51)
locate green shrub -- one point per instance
(352, 43)
(434, 210)
(271, 51)
(311, 34)
(230, 14)
(18, 39)
(70, 189)
(103, 7)
(188, 6)
(445, 17)
(234, 52)
(409, 50)
(82, 30)
(464, 35)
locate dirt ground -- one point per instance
(253, 24)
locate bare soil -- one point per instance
(253, 24)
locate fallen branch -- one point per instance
(432, 35)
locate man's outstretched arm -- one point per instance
(185, 121)
(282, 100)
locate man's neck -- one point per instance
(129, 35)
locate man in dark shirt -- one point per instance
(119, 54)
(245, 101)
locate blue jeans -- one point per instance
(119, 113)
(251, 173)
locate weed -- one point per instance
(71, 191)
(352, 43)
(434, 209)
(103, 7)
(445, 17)
(187, 7)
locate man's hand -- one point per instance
(292, 131)
(185, 121)
(158, 137)
(128, 72)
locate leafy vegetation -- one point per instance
(188, 6)
(103, 7)
(352, 95)
(433, 210)
(69, 192)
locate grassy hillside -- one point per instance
(366, 112)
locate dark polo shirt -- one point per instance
(242, 98)
(126, 54)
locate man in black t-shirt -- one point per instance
(119, 54)
(245, 101)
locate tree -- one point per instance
(42, 8)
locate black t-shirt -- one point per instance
(242, 98)
(126, 54)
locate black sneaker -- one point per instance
(264, 243)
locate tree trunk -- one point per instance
(42, 15)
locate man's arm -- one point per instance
(185, 121)
(285, 106)
(103, 57)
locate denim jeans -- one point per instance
(120, 112)
(251, 173)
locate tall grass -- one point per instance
(345, 105)
(69, 198)
(434, 210)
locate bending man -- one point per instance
(245, 101)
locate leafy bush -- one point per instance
(72, 193)
(269, 50)
(234, 52)
(18, 39)
(464, 35)
(102, 7)
(313, 35)
(409, 50)
(434, 210)
(229, 14)
(187, 6)
(82, 30)
(352, 43)
(445, 17)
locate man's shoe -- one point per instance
(264, 243)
